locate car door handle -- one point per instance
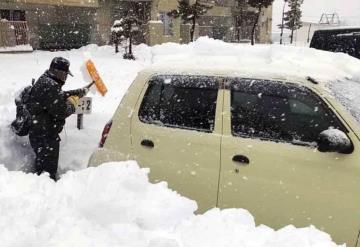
(241, 159)
(147, 143)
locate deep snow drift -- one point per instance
(339, 72)
(115, 205)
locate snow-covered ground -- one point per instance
(115, 205)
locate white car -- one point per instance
(282, 148)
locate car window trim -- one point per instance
(175, 126)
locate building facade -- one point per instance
(228, 20)
(65, 24)
(52, 24)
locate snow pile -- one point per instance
(274, 60)
(340, 71)
(115, 205)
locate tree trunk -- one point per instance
(254, 27)
(292, 36)
(239, 26)
(192, 29)
(130, 44)
(282, 24)
(116, 46)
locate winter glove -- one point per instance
(79, 92)
(86, 90)
(83, 92)
(74, 100)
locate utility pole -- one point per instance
(308, 37)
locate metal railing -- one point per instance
(13, 33)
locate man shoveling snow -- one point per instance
(48, 107)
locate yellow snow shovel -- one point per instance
(100, 85)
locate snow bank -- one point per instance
(286, 61)
(115, 205)
(340, 71)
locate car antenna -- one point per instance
(312, 80)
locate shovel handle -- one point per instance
(90, 85)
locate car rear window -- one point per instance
(187, 102)
(279, 111)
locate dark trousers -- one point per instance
(47, 154)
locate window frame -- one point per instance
(327, 107)
(9, 15)
(168, 23)
(216, 86)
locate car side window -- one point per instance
(279, 111)
(187, 102)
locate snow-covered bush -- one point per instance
(124, 30)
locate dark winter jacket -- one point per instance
(48, 105)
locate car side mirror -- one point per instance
(334, 140)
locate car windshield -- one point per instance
(347, 93)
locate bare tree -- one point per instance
(190, 13)
(259, 5)
(282, 26)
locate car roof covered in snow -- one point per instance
(232, 73)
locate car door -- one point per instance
(270, 164)
(176, 132)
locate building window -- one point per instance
(168, 23)
(18, 15)
(5, 14)
(244, 24)
(220, 32)
(12, 15)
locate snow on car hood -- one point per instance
(348, 93)
(115, 205)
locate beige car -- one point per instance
(285, 150)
